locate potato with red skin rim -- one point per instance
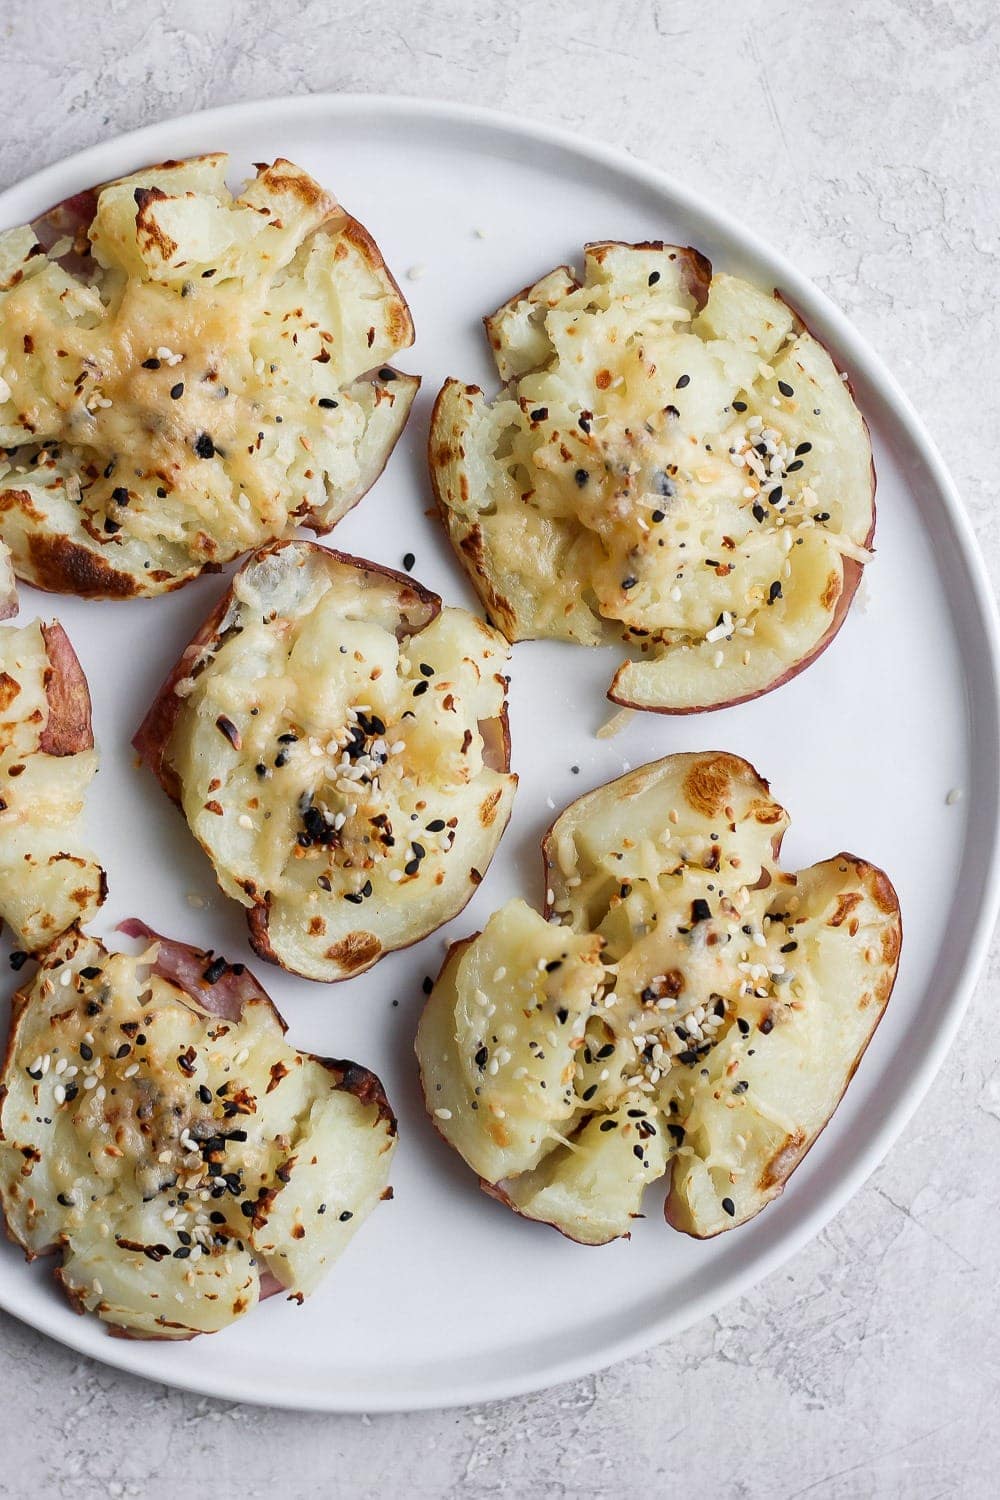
(354, 800)
(196, 1078)
(736, 1003)
(237, 350)
(559, 496)
(49, 879)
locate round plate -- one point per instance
(445, 1297)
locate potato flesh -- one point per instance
(327, 665)
(160, 464)
(48, 876)
(127, 1154)
(650, 479)
(732, 1007)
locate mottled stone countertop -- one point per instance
(858, 136)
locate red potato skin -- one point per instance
(182, 965)
(671, 1210)
(70, 728)
(420, 607)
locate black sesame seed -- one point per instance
(427, 985)
(588, 1094)
(774, 592)
(744, 1026)
(347, 1214)
(204, 1094)
(741, 1087)
(90, 972)
(86, 1052)
(550, 968)
(120, 495)
(327, 403)
(605, 1051)
(539, 414)
(123, 1051)
(637, 1151)
(161, 493)
(785, 388)
(409, 558)
(757, 511)
(18, 959)
(739, 406)
(419, 689)
(678, 1133)
(412, 867)
(683, 381)
(111, 527)
(177, 391)
(435, 825)
(629, 582)
(584, 420)
(481, 1058)
(767, 1025)
(215, 971)
(151, 364)
(204, 446)
(387, 373)
(182, 1252)
(658, 515)
(774, 496)
(802, 448)
(788, 947)
(700, 911)
(355, 897)
(729, 1206)
(609, 1124)
(794, 466)
(652, 278)
(581, 476)
(72, 1090)
(66, 1199)
(823, 515)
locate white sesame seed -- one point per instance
(443, 1114)
(955, 795)
(131, 1070)
(59, 1094)
(241, 1056)
(415, 273)
(90, 1082)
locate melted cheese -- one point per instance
(194, 408)
(173, 1155)
(713, 1035)
(687, 481)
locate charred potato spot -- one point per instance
(167, 1169)
(47, 761)
(353, 798)
(196, 376)
(674, 462)
(682, 1008)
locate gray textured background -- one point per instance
(860, 138)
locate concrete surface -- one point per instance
(859, 137)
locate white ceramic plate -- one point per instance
(445, 1297)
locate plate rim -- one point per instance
(67, 175)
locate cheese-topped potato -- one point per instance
(159, 1133)
(684, 1007)
(49, 879)
(185, 374)
(338, 744)
(674, 462)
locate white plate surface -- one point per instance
(445, 1297)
